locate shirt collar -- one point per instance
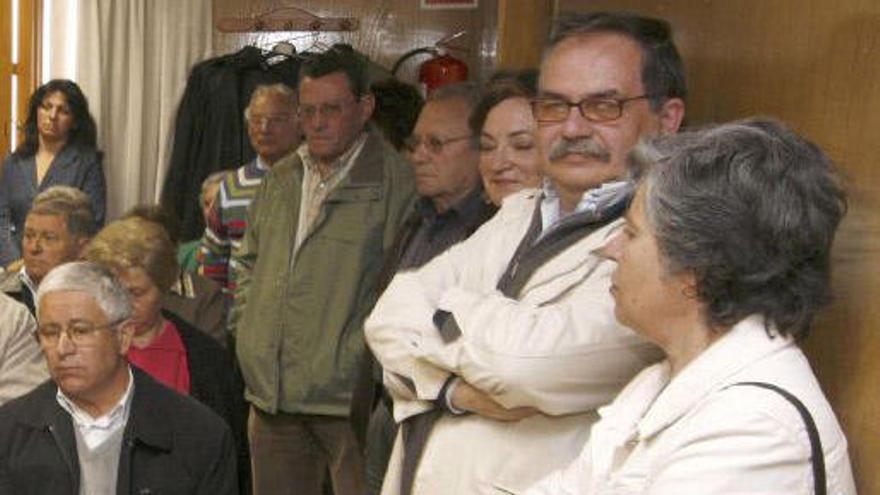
(27, 280)
(341, 163)
(465, 207)
(117, 415)
(183, 286)
(261, 164)
(592, 200)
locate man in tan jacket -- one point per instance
(498, 352)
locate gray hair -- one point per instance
(751, 209)
(277, 90)
(213, 179)
(468, 92)
(91, 279)
(662, 69)
(72, 204)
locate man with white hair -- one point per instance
(100, 425)
(274, 132)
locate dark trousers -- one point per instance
(380, 442)
(292, 453)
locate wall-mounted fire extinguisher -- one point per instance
(440, 69)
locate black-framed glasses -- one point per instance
(78, 332)
(595, 109)
(432, 143)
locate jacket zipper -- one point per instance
(73, 473)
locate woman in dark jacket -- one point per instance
(59, 148)
(172, 351)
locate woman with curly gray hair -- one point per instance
(723, 261)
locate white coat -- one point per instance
(22, 365)
(558, 348)
(697, 434)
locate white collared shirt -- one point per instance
(592, 200)
(315, 188)
(27, 281)
(95, 431)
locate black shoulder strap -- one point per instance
(817, 457)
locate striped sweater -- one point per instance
(227, 222)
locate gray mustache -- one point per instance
(585, 147)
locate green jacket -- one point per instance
(298, 322)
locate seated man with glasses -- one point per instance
(274, 132)
(99, 425)
(307, 271)
(498, 352)
(451, 206)
(56, 230)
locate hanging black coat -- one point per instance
(210, 133)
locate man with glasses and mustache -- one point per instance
(57, 228)
(99, 425)
(306, 270)
(498, 352)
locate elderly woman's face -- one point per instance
(146, 298)
(509, 152)
(54, 117)
(647, 297)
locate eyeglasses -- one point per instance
(79, 332)
(268, 120)
(44, 236)
(551, 110)
(432, 143)
(327, 110)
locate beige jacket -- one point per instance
(22, 366)
(558, 348)
(697, 434)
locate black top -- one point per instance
(74, 166)
(171, 444)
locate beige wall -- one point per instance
(816, 65)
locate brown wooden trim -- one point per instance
(27, 68)
(523, 27)
(5, 74)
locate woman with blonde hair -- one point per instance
(172, 351)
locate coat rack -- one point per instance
(286, 19)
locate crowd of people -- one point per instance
(535, 285)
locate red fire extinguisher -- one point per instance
(440, 69)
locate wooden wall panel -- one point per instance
(816, 65)
(388, 29)
(26, 69)
(5, 75)
(522, 30)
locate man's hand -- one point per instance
(467, 398)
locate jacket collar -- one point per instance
(10, 282)
(583, 255)
(145, 424)
(67, 155)
(368, 167)
(745, 343)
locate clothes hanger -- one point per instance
(289, 18)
